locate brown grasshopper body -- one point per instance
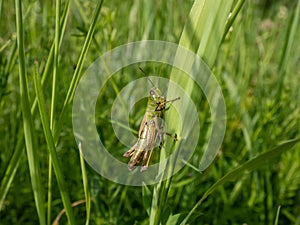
(150, 131)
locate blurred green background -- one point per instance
(255, 55)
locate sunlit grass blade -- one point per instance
(247, 167)
(202, 34)
(29, 135)
(52, 150)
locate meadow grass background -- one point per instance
(255, 178)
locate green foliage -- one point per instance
(253, 53)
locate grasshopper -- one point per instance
(150, 130)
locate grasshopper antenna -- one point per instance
(142, 71)
(147, 76)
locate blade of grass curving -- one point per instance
(52, 149)
(248, 166)
(29, 135)
(77, 73)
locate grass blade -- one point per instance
(53, 98)
(79, 65)
(289, 40)
(203, 33)
(247, 167)
(11, 170)
(13, 165)
(232, 17)
(52, 150)
(277, 216)
(30, 141)
(86, 187)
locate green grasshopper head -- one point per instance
(157, 99)
(155, 93)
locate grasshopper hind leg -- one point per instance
(146, 160)
(129, 152)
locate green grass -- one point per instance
(254, 55)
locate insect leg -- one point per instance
(130, 152)
(148, 154)
(172, 136)
(172, 100)
(150, 143)
(146, 160)
(161, 106)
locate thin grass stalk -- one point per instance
(237, 8)
(49, 195)
(30, 141)
(277, 215)
(53, 100)
(52, 150)
(86, 187)
(55, 62)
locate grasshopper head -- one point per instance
(154, 93)
(157, 99)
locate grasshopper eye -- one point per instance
(152, 92)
